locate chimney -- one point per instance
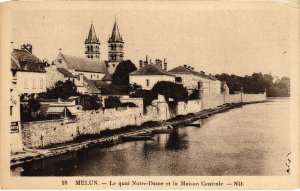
(185, 65)
(12, 46)
(165, 65)
(27, 47)
(141, 63)
(150, 61)
(158, 63)
(147, 59)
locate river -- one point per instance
(251, 140)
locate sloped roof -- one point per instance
(185, 70)
(92, 37)
(115, 35)
(151, 69)
(99, 83)
(66, 73)
(23, 60)
(107, 77)
(85, 64)
(90, 87)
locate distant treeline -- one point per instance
(257, 83)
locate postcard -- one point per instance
(153, 95)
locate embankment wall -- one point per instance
(214, 100)
(44, 133)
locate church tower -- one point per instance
(115, 49)
(92, 44)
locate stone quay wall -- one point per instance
(214, 100)
(44, 133)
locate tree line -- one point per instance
(257, 83)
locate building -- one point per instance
(115, 49)
(92, 44)
(192, 80)
(83, 72)
(28, 71)
(16, 144)
(149, 75)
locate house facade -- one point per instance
(16, 144)
(192, 79)
(149, 75)
(28, 71)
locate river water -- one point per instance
(251, 140)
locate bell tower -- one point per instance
(115, 45)
(92, 44)
(115, 49)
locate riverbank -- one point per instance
(112, 138)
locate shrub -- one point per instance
(147, 95)
(112, 102)
(171, 90)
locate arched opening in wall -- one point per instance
(91, 48)
(91, 56)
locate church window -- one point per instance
(147, 82)
(92, 48)
(91, 56)
(91, 76)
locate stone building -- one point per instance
(85, 73)
(28, 71)
(149, 75)
(192, 79)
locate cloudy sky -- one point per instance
(233, 39)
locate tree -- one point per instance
(147, 95)
(91, 102)
(171, 90)
(60, 90)
(257, 83)
(121, 75)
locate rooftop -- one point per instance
(23, 60)
(151, 69)
(84, 64)
(185, 70)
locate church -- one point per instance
(115, 47)
(91, 69)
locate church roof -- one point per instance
(66, 73)
(84, 64)
(115, 35)
(185, 70)
(23, 60)
(92, 37)
(151, 69)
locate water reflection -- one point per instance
(252, 140)
(176, 140)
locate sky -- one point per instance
(215, 40)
